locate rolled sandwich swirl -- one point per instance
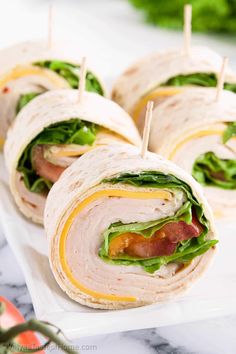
(124, 231)
(50, 133)
(31, 68)
(198, 134)
(162, 75)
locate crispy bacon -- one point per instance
(180, 231)
(43, 167)
(162, 243)
(6, 89)
(152, 247)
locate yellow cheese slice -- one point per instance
(1, 143)
(194, 136)
(152, 96)
(97, 195)
(103, 137)
(21, 71)
(69, 153)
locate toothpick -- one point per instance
(221, 78)
(187, 28)
(82, 80)
(146, 130)
(50, 18)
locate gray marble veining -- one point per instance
(208, 337)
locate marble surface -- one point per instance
(118, 24)
(206, 337)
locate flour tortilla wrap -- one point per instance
(83, 203)
(148, 78)
(46, 110)
(21, 75)
(191, 125)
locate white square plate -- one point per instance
(213, 295)
(121, 38)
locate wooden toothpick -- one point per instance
(82, 80)
(50, 18)
(187, 28)
(146, 130)
(221, 78)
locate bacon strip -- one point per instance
(162, 243)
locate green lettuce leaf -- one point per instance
(71, 73)
(230, 132)
(153, 264)
(186, 250)
(147, 229)
(74, 131)
(25, 99)
(198, 79)
(210, 170)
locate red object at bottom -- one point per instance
(11, 317)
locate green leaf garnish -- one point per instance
(208, 15)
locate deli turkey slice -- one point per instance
(198, 133)
(126, 231)
(50, 133)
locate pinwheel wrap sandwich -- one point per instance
(50, 133)
(164, 74)
(198, 134)
(31, 68)
(126, 231)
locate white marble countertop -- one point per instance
(118, 24)
(215, 336)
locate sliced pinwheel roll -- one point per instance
(125, 231)
(198, 133)
(50, 133)
(31, 68)
(164, 74)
